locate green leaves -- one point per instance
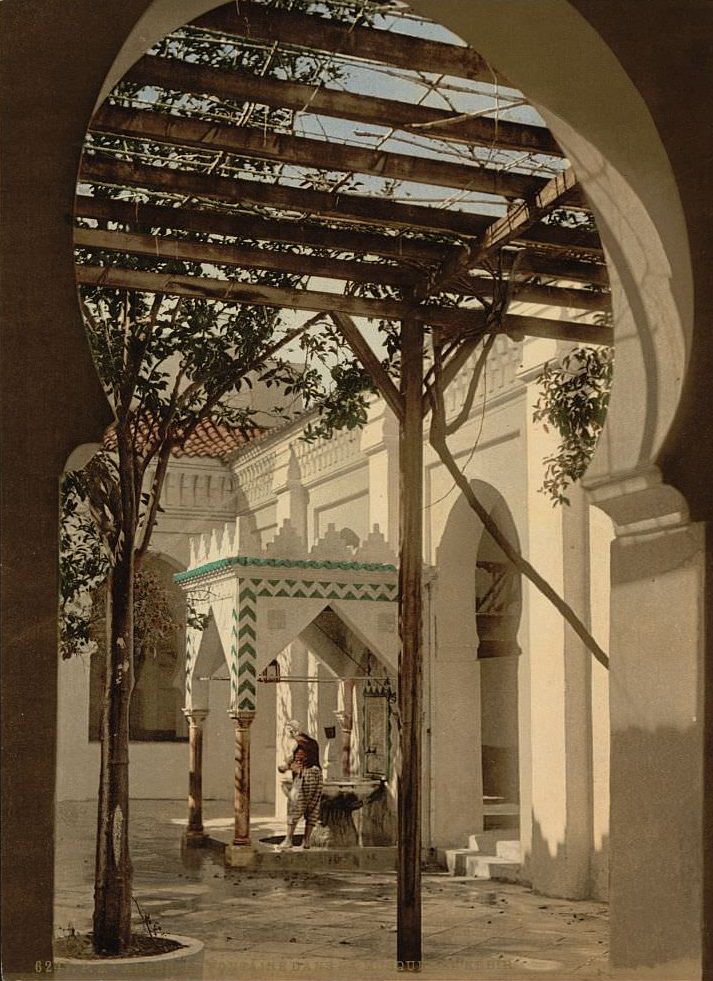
(83, 567)
(574, 401)
(345, 406)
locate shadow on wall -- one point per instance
(656, 779)
(644, 889)
(566, 874)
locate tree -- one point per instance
(167, 364)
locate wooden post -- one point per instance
(410, 696)
(243, 720)
(195, 834)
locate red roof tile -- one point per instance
(209, 439)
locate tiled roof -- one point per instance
(208, 440)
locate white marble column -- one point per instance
(195, 834)
(555, 671)
(243, 720)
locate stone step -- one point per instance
(501, 820)
(486, 841)
(456, 858)
(489, 845)
(509, 849)
(492, 867)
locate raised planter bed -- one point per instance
(185, 963)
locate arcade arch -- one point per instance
(636, 499)
(636, 200)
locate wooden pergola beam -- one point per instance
(268, 25)
(503, 231)
(517, 326)
(242, 86)
(520, 217)
(242, 225)
(301, 151)
(553, 267)
(555, 296)
(368, 359)
(247, 226)
(163, 248)
(337, 207)
(235, 292)
(247, 193)
(451, 319)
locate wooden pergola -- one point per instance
(248, 170)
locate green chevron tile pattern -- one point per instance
(304, 589)
(245, 560)
(243, 646)
(246, 640)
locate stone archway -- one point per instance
(498, 605)
(652, 53)
(637, 203)
(476, 736)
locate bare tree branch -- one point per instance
(438, 440)
(149, 520)
(464, 412)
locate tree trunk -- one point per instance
(113, 872)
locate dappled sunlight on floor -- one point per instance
(325, 924)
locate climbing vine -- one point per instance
(574, 401)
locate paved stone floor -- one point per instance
(332, 925)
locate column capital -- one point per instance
(345, 720)
(195, 716)
(639, 502)
(242, 717)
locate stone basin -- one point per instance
(340, 798)
(359, 790)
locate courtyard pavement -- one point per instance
(333, 925)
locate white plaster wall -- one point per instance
(342, 498)
(156, 770)
(265, 522)
(601, 535)
(351, 512)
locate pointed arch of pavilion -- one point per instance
(257, 605)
